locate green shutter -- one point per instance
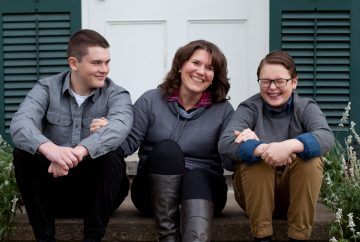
(319, 41)
(34, 44)
(318, 35)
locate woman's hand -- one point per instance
(98, 123)
(244, 135)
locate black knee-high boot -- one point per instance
(196, 218)
(165, 191)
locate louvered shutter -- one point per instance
(319, 41)
(34, 46)
(319, 38)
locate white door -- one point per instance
(144, 35)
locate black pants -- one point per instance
(168, 159)
(93, 190)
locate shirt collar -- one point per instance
(287, 108)
(205, 99)
(66, 87)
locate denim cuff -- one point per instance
(311, 146)
(246, 151)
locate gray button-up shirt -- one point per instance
(50, 113)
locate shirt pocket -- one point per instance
(58, 128)
(85, 129)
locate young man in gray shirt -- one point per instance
(275, 140)
(64, 169)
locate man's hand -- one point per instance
(62, 157)
(244, 135)
(80, 152)
(57, 170)
(98, 123)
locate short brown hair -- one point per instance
(279, 57)
(220, 85)
(81, 40)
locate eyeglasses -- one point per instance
(280, 82)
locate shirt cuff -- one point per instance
(311, 146)
(94, 148)
(246, 151)
(35, 143)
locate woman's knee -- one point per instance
(166, 158)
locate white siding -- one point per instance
(144, 36)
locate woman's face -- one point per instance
(274, 96)
(197, 73)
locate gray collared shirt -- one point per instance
(51, 113)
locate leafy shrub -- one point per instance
(341, 186)
(9, 194)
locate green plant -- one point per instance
(341, 186)
(9, 194)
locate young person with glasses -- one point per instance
(275, 140)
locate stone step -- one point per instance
(128, 225)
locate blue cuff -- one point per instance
(246, 151)
(311, 146)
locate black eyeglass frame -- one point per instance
(275, 82)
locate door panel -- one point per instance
(144, 35)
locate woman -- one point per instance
(277, 169)
(176, 128)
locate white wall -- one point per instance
(144, 36)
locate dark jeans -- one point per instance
(168, 159)
(93, 190)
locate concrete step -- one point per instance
(128, 225)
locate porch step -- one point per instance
(128, 225)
